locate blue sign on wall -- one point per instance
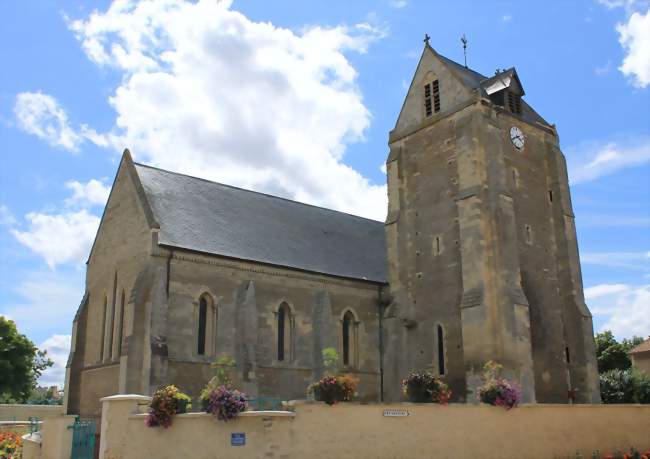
(237, 439)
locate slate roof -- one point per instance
(210, 217)
(475, 80)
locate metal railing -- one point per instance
(266, 404)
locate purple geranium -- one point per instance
(226, 403)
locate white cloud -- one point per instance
(630, 260)
(628, 5)
(93, 192)
(44, 301)
(382, 168)
(59, 238)
(592, 160)
(506, 18)
(41, 115)
(58, 348)
(634, 37)
(6, 217)
(625, 309)
(604, 289)
(398, 3)
(600, 71)
(613, 221)
(208, 92)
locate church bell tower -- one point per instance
(481, 241)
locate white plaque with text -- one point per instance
(395, 413)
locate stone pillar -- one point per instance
(115, 412)
(132, 362)
(157, 309)
(56, 438)
(71, 398)
(246, 337)
(324, 333)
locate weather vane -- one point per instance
(426, 38)
(463, 40)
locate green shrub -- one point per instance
(222, 368)
(641, 386)
(624, 386)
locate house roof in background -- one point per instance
(643, 347)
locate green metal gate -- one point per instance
(83, 439)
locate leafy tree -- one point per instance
(21, 363)
(611, 354)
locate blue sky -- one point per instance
(297, 98)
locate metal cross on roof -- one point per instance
(463, 40)
(426, 39)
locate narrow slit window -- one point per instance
(529, 234)
(568, 356)
(441, 351)
(550, 195)
(437, 246)
(203, 316)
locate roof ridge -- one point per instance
(257, 192)
(462, 67)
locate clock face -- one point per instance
(517, 137)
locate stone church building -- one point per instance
(477, 260)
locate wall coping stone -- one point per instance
(33, 437)
(27, 405)
(245, 414)
(474, 405)
(125, 397)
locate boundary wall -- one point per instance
(16, 412)
(394, 430)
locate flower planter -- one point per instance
(419, 395)
(425, 387)
(330, 396)
(181, 405)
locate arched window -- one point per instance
(349, 326)
(285, 335)
(101, 344)
(206, 326)
(441, 350)
(120, 326)
(110, 322)
(203, 317)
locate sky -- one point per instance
(296, 99)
